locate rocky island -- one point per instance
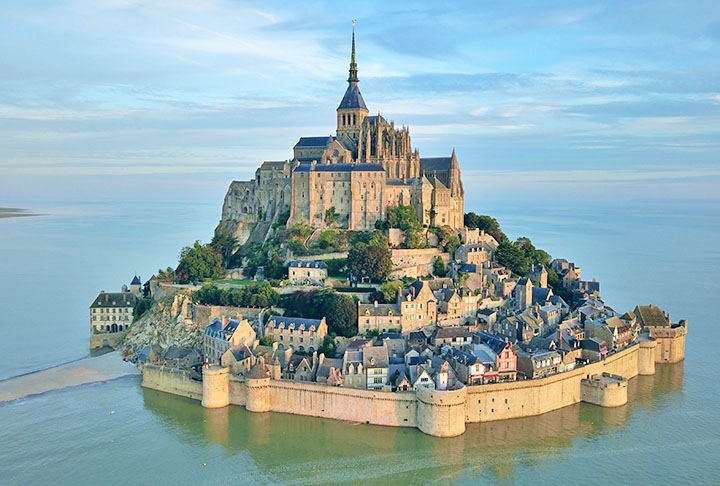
(348, 282)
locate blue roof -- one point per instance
(136, 281)
(340, 168)
(429, 164)
(308, 264)
(298, 321)
(314, 141)
(353, 98)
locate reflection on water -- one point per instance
(313, 448)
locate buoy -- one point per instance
(111, 412)
(204, 464)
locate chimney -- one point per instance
(225, 321)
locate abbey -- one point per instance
(347, 180)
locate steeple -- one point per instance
(353, 65)
(352, 110)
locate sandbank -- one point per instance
(88, 370)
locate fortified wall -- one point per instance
(434, 412)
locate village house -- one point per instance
(222, 335)
(593, 349)
(376, 364)
(539, 364)
(353, 370)
(418, 306)
(501, 353)
(300, 334)
(457, 336)
(310, 272)
(240, 359)
(378, 317)
(522, 293)
(112, 312)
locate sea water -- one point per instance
(642, 250)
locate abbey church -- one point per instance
(348, 180)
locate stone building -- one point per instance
(304, 335)
(307, 272)
(347, 180)
(220, 336)
(111, 313)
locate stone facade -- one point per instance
(111, 313)
(347, 180)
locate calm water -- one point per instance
(51, 268)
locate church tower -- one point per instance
(352, 110)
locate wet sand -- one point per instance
(88, 370)
(15, 213)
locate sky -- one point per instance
(558, 95)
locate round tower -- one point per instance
(258, 389)
(216, 387)
(646, 355)
(441, 413)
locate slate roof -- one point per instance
(652, 315)
(376, 357)
(352, 98)
(379, 310)
(307, 264)
(429, 164)
(114, 299)
(314, 141)
(399, 182)
(451, 332)
(297, 321)
(540, 294)
(136, 281)
(340, 168)
(258, 371)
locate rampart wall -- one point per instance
(438, 413)
(172, 381)
(366, 406)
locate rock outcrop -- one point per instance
(168, 323)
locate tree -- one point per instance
(403, 217)
(166, 276)
(513, 257)
(330, 216)
(225, 244)
(485, 223)
(414, 238)
(328, 346)
(339, 310)
(449, 239)
(372, 260)
(438, 267)
(142, 307)
(390, 290)
(198, 262)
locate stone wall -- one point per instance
(171, 380)
(438, 413)
(377, 408)
(502, 401)
(415, 263)
(111, 339)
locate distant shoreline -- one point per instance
(15, 213)
(81, 372)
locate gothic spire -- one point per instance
(353, 65)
